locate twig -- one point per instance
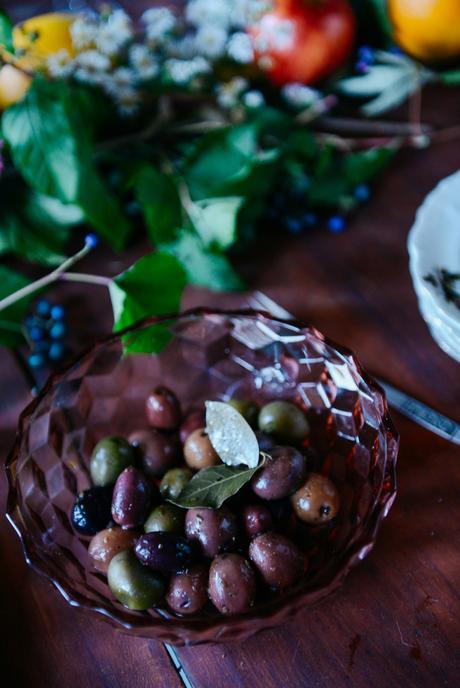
(85, 279)
(319, 108)
(362, 127)
(164, 114)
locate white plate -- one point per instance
(434, 242)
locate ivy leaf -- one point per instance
(6, 31)
(152, 286)
(11, 318)
(204, 268)
(50, 146)
(210, 487)
(215, 220)
(158, 197)
(231, 435)
(363, 166)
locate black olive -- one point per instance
(92, 510)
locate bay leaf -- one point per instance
(231, 435)
(210, 487)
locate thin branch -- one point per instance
(85, 279)
(361, 127)
(164, 115)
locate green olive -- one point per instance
(135, 586)
(165, 518)
(174, 482)
(110, 458)
(284, 420)
(248, 409)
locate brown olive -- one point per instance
(132, 497)
(279, 561)
(188, 590)
(159, 452)
(192, 422)
(284, 472)
(107, 543)
(256, 519)
(232, 584)
(213, 529)
(163, 409)
(285, 421)
(199, 452)
(317, 501)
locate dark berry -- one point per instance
(43, 308)
(91, 240)
(362, 193)
(58, 330)
(309, 220)
(36, 360)
(293, 225)
(336, 224)
(57, 312)
(362, 67)
(56, 351)
(92, 510)
(366, 54)
(36, 334)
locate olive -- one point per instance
(110, 457)
(134, 585)
(199, 452)
(163, 409)
(192, 422)
(279, 561)
(284, 420)
(91, 511)
(317, 501)
(232, 584)
(248, 409)
(284, 471)
(163, 552)
(174, 482)
(132, 497)
(106, 544)
(257, 519)
(165, 518)
(159, 452)
(213, 529)
(188, 590)
(266, 443)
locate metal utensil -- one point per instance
(403, 403)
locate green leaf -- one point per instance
(364, 166)
(204, 268)
(152, 286)
(215, 220)
(11, 318)
(49, 140)
(451, 78)
(6, 31)
(158, 197)
(210, 487)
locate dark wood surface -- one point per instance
(396, 621)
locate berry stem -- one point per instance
(45, 280)
(87, 279)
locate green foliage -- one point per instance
(215, 221)
(451, 77)
(6, 31)
(158, 197)
(51, 147)
(10, 318)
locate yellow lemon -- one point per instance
(429, 30)
(14, 84)
(41, 36)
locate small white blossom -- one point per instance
(229, 92)
(83, 32)
(143, 62)
(92, 66)
(256, 9)
(211, 40)
(114, 33)
(159, 22)
(183, 71)
(253, 99)
(127, 101)
(274, 33)
(119, 80)
(184, 48)
(215, 13)
(240, 48)
(60, 65)
(299, 96)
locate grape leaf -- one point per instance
(210, 487)
(157, 195)
(152, 286)
(215, 220)
(231, 435)
(11, 317)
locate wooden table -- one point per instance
(396, 621)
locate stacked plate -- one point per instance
(434, 243)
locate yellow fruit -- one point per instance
(429, 30)
(41, 36)
(14, 84)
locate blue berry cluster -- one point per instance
(366, 58)
(46, 329)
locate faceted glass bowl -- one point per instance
(202, 354)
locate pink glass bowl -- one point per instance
(202, 355)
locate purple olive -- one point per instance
(159, 452)
(213, 529)
(284, 472)
(188, 590)
(163, 409)
(257, 519)
(192, 422)
(232, 584)
(279, 561)
(132, 498)
(163, 552)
